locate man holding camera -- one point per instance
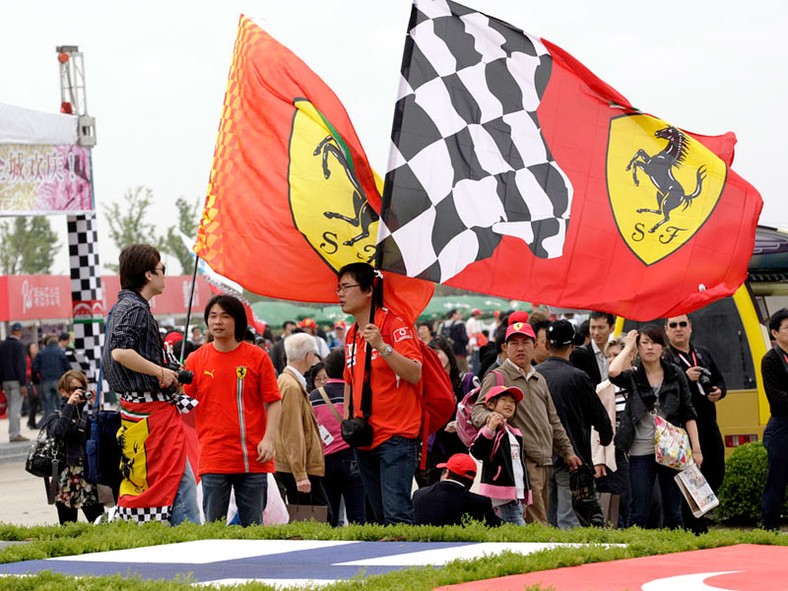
(158, 482)
(707, 386)
(238, 415)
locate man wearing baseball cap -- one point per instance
(579, 408)
(13, 368)
(535, 416)
(449, 500)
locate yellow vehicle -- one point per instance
(735, 329)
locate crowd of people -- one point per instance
(552, 399)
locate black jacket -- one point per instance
(674, 400)
(447, 502)
(68, 425)
(706, 410)
(577, 404)
(775, 381)
(584, 358)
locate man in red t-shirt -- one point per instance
(237, 415)
(387, 466)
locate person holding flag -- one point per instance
(388, 464)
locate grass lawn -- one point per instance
(81, 538)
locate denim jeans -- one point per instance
(617, 483)
(343, 480)
(14, 399)
(49, 396)
(643, 471)
(251, 494)
(185, 507)
(559, 499)
(387, 471)
(511, 512)
(775, 440)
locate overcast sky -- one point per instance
(156, 74)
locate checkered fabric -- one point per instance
(468, 162)
(144, 514)
(86, 287)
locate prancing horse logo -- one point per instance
(686, 181)
(328, 204)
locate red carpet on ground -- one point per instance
(746, 567)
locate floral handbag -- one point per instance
(671, 445)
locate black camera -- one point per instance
(84, 395)
(704, 379)
(184, 377)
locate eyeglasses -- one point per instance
(159, 269)
(682, 324)
(341, 288)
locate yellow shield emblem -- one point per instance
(240, 372)
(663, 184)
(328, 205)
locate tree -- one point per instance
(128, 225)
(188, 217)
(28, 245)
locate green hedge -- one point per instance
(741, 491)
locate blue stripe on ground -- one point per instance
(301, 564)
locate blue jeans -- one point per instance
(512, 512)
(251, 494)
(643, 471)
(49, 396)
(185, 507)
(775, 440)
(387, 471)
(343, 480)
(559, 499)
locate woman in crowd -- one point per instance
(33, 379)
(342, 479)
(656, 388)
(445, 443)
(73, 490)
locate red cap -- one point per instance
(498, 390)
(518, 316)
(461, 465)
(522, 328)
(475, 311)
(340, 324)
(307, 323)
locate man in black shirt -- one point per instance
(707, 386)
(153, 438)
(774, 369)
(579, 408)
(449, 500)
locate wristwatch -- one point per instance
(386, 350)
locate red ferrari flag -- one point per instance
(292, 197)
(515, 171)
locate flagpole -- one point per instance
(189, 310)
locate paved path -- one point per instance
(23, 496)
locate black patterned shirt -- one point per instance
(132, 326)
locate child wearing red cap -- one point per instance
(499, 447)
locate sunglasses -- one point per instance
(682, 324)
(73, 389)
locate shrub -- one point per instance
(741, 491)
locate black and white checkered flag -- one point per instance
(468, 162)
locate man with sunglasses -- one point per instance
(707, 386)
(158, 482)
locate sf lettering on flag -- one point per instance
(515, 171)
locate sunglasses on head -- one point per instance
(682, 324)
